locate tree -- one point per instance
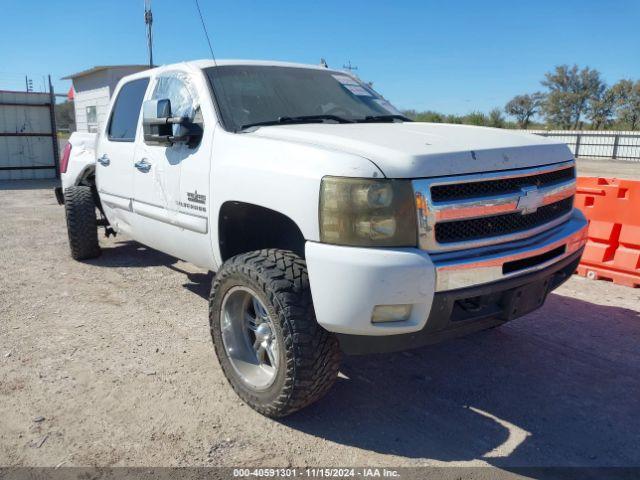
(410, 114)
(475, 118)
(570, 90)
(451, 118)
(524, 107)
(428, 116)
(65, 116)
(602, 108)
(628, 102)
(496, 119)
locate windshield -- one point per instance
(256, 94)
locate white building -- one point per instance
(92, 91)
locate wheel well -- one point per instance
(87, 177)
(244, 227)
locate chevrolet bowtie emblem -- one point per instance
(530, 200)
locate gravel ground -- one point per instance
(109, 363)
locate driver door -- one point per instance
(157, 194)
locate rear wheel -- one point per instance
(82, 225)
(269, 344)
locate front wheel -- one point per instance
(266, 337)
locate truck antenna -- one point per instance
(206, 34)
(148, 20)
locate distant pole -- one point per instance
(350, 67)
(148, 20)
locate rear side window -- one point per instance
(126, 111)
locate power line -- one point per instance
(206, 34)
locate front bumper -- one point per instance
(462, 269)
(347, 283)
(461, 312)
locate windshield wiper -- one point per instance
(383, 118)
(300, 119)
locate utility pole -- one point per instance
(350, 67)
(148, 20)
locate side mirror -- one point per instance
(155, 114)
(158, 125)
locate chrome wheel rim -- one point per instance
(248, 335)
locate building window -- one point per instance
(92, 118)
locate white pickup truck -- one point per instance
(333, 223)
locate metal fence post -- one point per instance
(577, 145)
(54, 129)
(616, 141)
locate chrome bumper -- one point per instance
(487, 264)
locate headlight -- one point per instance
(367, 213)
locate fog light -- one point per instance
(391, 313)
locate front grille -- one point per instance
(459, 191)
(463, 230)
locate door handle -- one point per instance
(143, 165)
(104, 160)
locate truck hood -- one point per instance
(412, 149)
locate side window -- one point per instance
(176, 87)
(126, 111)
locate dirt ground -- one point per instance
(598, 167)
(109, 363)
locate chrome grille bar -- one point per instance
(525, 201)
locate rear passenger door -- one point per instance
(115, 153)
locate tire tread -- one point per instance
(82, 225)
(312, 353)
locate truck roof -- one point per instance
(211, 63)
(201, 64)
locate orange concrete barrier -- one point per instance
(612, 207)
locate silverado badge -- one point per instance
(196, 197)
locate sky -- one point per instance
(448, 56)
